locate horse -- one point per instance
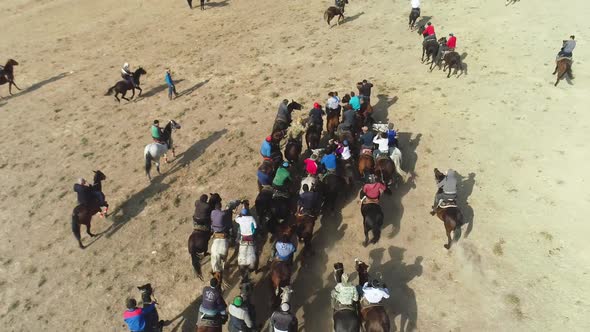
(414, 14)
(280, 277)
(305, 224)
(332, 121)
(313, 134)
(374, 317)
(430, 48)
(385, 171)
(452, 59)
(563, 66)
(7, 75)
(198, 241)
(219, 251)
(263, 204)
(372, 221)
(247, 257)
(396, 157)
(123, 86)
(153, 151)
(345, 317)
(310, 181)
(330, 187)
(280, 125)
(366, 164)
(450, 214)
(82, 214)
(346, 168)
(293, 149)
(280, 211)
(209, 324)
(331, 12)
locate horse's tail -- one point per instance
(148, 162)
(76, 224)
(196, 261)
(110, 90)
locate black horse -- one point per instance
(293, 149)
(430, 48)
(82, 214)
(198, 241)
(263, 205)
(7, 75)
(313, 134)
(414, 14)
(330, 187)
(122, 86)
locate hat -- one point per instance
(156, 121)
(285, 307)
(313, 156)
(244, 212)
(268, 138)
(81, 181)
(131, 303)
(316, 105)
(451, 34)
(365, 128)
(286, 164)
(213, 282)
(345, 142)
(125, 65)
(238, 301)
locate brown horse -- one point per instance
(305, 224)
(452, 60)
(313, 135)
(331, 12)
(366, 164)
(563, 66)
(332, 121)
(450, 214)
(209, 324)
(374, 317)
(385, 171)
(293, 149)
(82, 214)
(7, 75)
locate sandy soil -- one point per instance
(520, 145)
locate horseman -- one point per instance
(309, 202)
(283, 119)
(283, 320)
(283, 250)
(343, 150)
(447, 190)
(239, 317)
(428, 32)
(373, 293)
(416, 6)
(213, 305)
(366, 139)
(315, 116)
(568, 48)
(202, 215)
(382, 142)
(344, 294)
(247, 225)
(392, 138)
(451, 43)
(157, 132)
(220, 218)
(372, 190)
(137, 318)
(329, 161)
(266, 148)
(311, 165)
(364, 88)
(127, 75)
(333, 103)
(282, 178)
(88, 196)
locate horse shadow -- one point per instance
(464, 66)
(396, 274)
(36, 86)
(195, 151)
(188, 318)
(464, 190)
(384, 102)
(134, 205)
(217, 4)
(193, 88)
(155, 90)
(393, 210)
(422, 21)
(348, 19)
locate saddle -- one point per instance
(219, 235)
(340, 307)
(266, 187)
(247, 242)
(382, 155)
(304, 212)
(365, 305)
(367, 151)
(209, 321)
(200, 228)
(367, 200)
(447, 203)
(280, 194)
(560, 57)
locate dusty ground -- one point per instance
(520, 144)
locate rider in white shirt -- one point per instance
(373, 294)
(247, 225)
(382, 144)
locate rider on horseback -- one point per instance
(311, 165)
(371, 192)
(568, 48)
(136, 318)
(284, 250)
(157, 132)
(283, 320)
(333, 103)
(266, 147)
(374, 292)
(315, 116)
(447, 190)
(283, 119)
(213, 304)
(344, 294)
(202, 215)
(309, 202)
(239, 317)
(329, 161)
(392, 138)
(366, 139)
(282, 178)
(428, 32)
(127, 75)
(355, 102)
(87, 195)
(416, 6)
(247, 225)
(364, 88)
(382, 142)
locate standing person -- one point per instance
(283, 320)
(416, 6)
(135, 317)
(239, 318)
(365, 91)
(171, 86)
(355, 102)
(568, 48)
(452, 42)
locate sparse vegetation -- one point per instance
(498, 249)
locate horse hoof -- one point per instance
(365, 243)
(446, 246)
(82, 246)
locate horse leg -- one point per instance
(16, 86)
(450, 68)
(366, 230)
(123, 95)
(76, 229)
(158, 167)
(132, 93)
(423, 52)
(448, 229)
(140, 90)
(195, 259)
(555, 71)
(88, 230)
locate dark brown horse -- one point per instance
(82, 214)
(209, 324)
(366, 164)
(198, 241)
(430, 48)
(372, 221)
(332, 121)
(7, 75)
(280, 271)
(305, 225)
(563, 66)
(331, 12)
(450, 214)
(374, 317)
(452, 60)
(385, 172)
(293, 149)
(123, 86)
(414, 14)
(313, 134)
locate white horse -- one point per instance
(247, 255)
(396, 156)
(153, 151)
(310, 181)
(286, 294)
(219, 250)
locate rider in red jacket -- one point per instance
(429, 30)
(452, 42)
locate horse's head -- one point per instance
(442, 41)
(11, 62)
(438, 175)
(214, 198)
(361, 267)
(140, 71)
(293, 105)
(286, 294)
(99, 176)
(174, 124)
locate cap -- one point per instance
(238, 301)
(81, 181)
(156, 121)
(345, 143)
(268, 138)
(451, 34)
(244, 212)
(316, 105)
(285, 307)
(286, 164)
